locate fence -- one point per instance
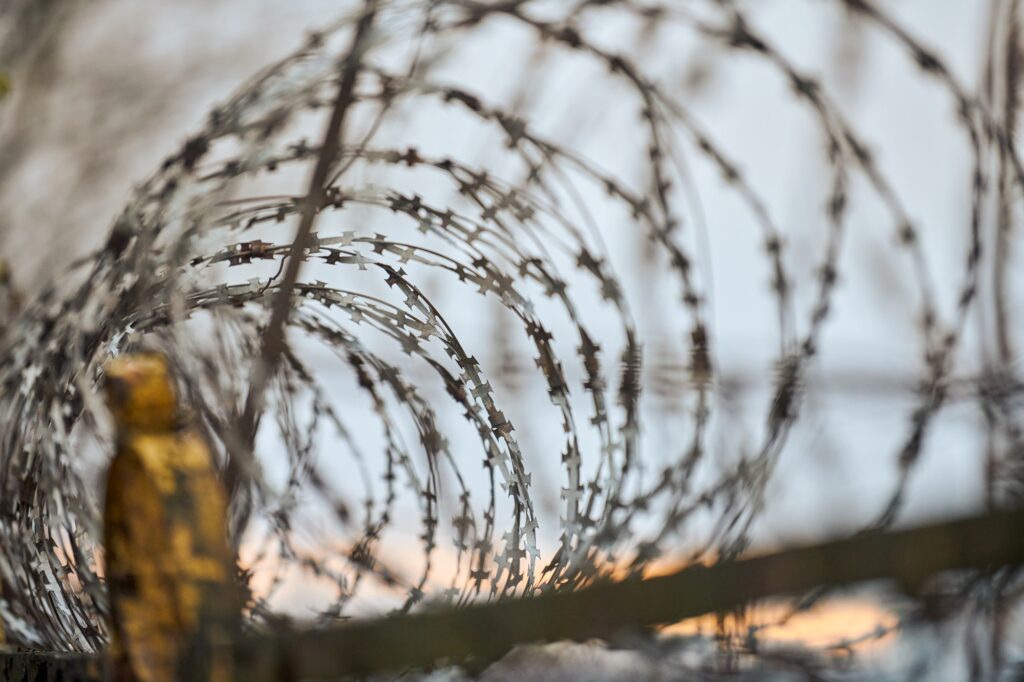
(485, 632)
(63, 335)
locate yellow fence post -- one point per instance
(175, 603)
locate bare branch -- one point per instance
(274, 335)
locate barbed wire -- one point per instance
(196, 260)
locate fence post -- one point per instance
(175, 604)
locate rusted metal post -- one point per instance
(175, 604)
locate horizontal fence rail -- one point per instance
(40, 666)
(486, 631)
